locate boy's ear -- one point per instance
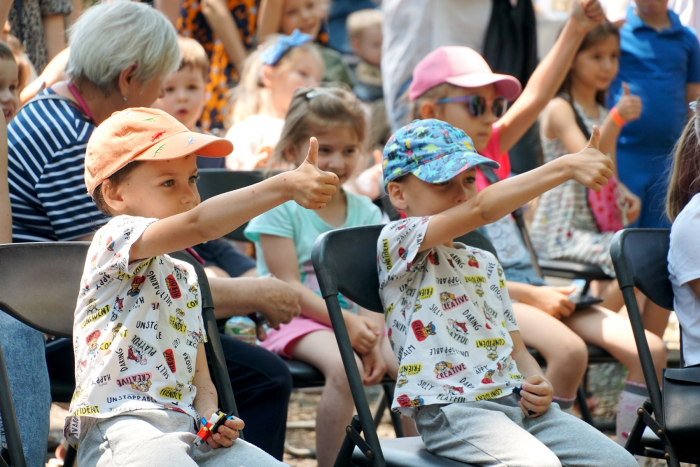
(427, 110)
(397, 195)
(266, 75)
(112, 196)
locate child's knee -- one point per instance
(657, 349)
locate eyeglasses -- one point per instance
(476, 104)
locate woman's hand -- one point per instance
(536, 396)
(552, 300)
(364, 333)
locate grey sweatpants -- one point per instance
(159, 437)
(496, 433)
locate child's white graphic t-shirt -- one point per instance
(448, 317)
(136, 330)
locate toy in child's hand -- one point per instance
(517, 390)
(210, 427)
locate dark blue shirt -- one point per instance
(657, 65)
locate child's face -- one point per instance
(652, 7)
(304, 15)
(338, 152)
(159, 189)
(9, 79)
(184, 96)
(597, 66)
(457, 114)
(418, 198)
(368, 45)
(306, 70)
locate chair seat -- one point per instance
(304, 375)
(406, 452)
(571, 270)
(307, 376)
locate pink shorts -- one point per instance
(282, 342)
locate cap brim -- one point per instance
(468, 161)
(506, 86)
(182, 144)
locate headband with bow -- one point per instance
(274, 53)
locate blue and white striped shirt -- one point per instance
(46, 162)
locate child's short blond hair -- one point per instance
(193, 55)
(360, 20)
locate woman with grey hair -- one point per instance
(120, 53)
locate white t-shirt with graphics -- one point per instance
(448, 317)
(136, 330)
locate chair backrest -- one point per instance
(40, 283)
(640, 259)
(358, 279)
(213, 182)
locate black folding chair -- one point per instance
(640, 259)
(358, 280)
(213, 182)
(58, 267)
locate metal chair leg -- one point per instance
(583, 405)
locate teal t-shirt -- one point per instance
(303, 226)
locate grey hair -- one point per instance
(110, 37)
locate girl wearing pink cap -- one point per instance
(455, 84)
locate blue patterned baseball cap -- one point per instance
(432, 150)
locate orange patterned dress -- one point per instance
(222, 73)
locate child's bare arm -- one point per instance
(206, 402)
(589, 167)
(536, 391)
(282, 261)
(215, 217)
(548, 76)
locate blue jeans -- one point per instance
(25, 359)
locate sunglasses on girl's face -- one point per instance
(476, 104)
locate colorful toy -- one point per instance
(210, 427)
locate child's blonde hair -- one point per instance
(193, 55)
(684, 182)
(360, 20)
(246, 97)
(314, 109)
(435, 93)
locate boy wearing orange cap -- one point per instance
(146, 384)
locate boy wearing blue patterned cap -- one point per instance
(466, 378)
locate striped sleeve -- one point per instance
(46, 162)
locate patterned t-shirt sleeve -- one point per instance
(398, 246)
(508, 315)
(112, 244)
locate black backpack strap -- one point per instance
(56, 97)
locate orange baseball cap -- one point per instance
(142, 134)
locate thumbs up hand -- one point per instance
(590, 167)
(312, 187)
(629, 106)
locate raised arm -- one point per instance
(217, 216)
(548, 76)
(588, 167)
(269, 18)
(220, 19)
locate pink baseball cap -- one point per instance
(462, 67)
